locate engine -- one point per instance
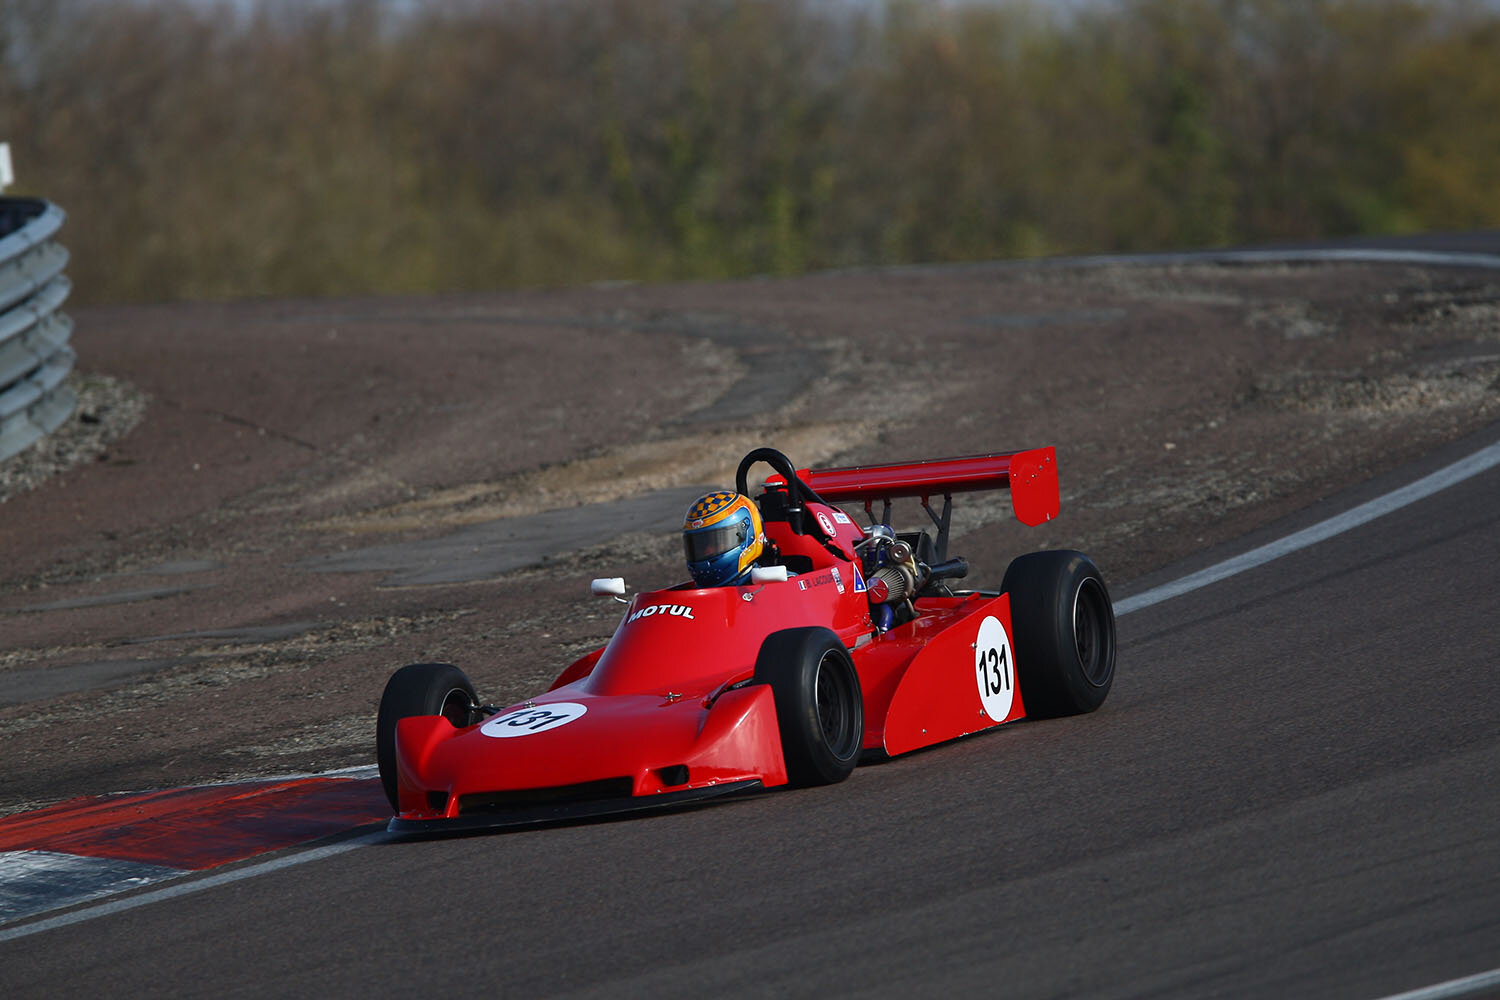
(892, 575)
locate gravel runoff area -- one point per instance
(108, 409)
(260, 509)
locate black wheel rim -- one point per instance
(1092, 636)
(831, 696)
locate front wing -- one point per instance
(573, 753)
(540, 815)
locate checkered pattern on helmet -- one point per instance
(711, 504)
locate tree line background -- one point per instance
(284, 148)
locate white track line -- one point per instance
(1467, 986)
(1345, 255)
(355, 772)
(197, 885)
(1465, 468)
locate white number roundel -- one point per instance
(536, 719)
(994, 670)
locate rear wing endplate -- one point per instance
(1031, 477)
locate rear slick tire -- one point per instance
(1064, 629)
(419, 689)
(819, 706)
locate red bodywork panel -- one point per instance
(669, 704)
(921, 680)
(691, 640)
(629, 739)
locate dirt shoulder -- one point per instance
(212, 594)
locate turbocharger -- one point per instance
(894, 576)
(897, 578)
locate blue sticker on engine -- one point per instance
(859, 580)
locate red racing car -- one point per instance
(841, 641)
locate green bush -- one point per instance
(285, 149)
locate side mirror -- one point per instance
(768, 574)
(608, 586)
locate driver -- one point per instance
(723, 536)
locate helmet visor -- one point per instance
(706, 543)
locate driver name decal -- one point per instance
(994, 670)
(533, 719)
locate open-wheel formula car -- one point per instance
(844, 641)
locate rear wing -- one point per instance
(1031, 477)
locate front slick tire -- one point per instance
(419, 689)
(818, 703)
(1064, 627)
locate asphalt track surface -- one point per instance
(1289, 793)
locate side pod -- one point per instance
(961, 681)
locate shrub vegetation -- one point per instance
(349, 146)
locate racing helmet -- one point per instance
(722, 536)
